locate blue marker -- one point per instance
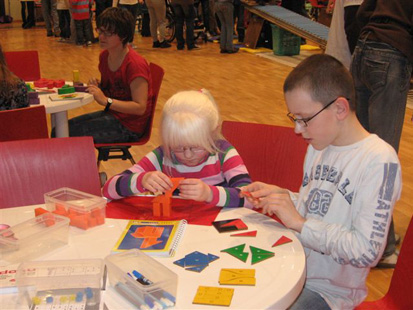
(141, 279)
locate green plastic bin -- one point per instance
(284, 42)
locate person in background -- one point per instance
(81, 17)
(192, 147)
(13, 91)
(63, 7)
(157, 15)
(51, 19)
(29, 20)
(124, 90)
(132, 7)
(185, 13)
(382, 67)
(351, 182)
(225, 12)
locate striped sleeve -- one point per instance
(129, 182)
(235, 174)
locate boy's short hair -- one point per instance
(324, 77)
(117, 21)
(190, 118)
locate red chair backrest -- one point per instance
(23, 124)
(24, 64)
(31, 168)
(272, 154)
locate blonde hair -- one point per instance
(190, 118)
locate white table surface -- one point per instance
(279, 279)
(58, 111)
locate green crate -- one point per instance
(284, 42)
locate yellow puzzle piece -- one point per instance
(237, 276)
(208, 295)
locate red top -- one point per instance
(116, 85)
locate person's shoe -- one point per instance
(50, 34)
(388, 261)
(223, 51)
(156, 44)
(233, 51)
(180, 47)
(89, 43)
(397, 237)
(194, 47)
(61, 39)
(164, 44)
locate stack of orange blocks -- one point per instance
(83, 220)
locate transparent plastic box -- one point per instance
(84, 210)
(33, 238)
(60, 284)
(142, 280)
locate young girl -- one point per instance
(124, 90)
(193, 148)
(13, 91)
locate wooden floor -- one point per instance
(246, 87)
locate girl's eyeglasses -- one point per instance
(182, 149)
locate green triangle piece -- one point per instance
(237, 252)
(236, 249)
(258, 251)
(259, 255)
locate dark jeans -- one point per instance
(184, 13)
(205, 14)
(225, 12)
(239, 17)
(101, 5)
(133, 9)
(382, 79)
(83, 33)
(102, 126)
(64, 23)
(29, 20)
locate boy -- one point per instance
(351, 182)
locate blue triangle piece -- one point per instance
(197, 268)
(212, 257)
(180, 262)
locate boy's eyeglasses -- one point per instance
(193, 149)
(105, 33)
(303, 122)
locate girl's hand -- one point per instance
(195, 189)
(98, 94)
(156, 181)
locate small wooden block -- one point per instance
(208, 295)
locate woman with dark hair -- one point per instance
(124, 90)
(13, 91)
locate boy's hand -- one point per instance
(195, 189)
(156, 181)
(255, 191)
(282, 206)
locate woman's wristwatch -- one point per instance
(108, 104)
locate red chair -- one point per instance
(108, 151)
(272, 154)
(31, 168)
(400, 293)
(23, 124)
(24, 64)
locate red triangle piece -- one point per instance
(232, 223)
(246, 234)
(281, 241)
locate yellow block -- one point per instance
(208, 295)
(237, 276)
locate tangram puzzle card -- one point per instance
(208, 295)
(237, 276)
(196, 261)
(230, 225)
(257, 254)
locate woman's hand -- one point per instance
(195, 189)
(98, 94)
(156, 181)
